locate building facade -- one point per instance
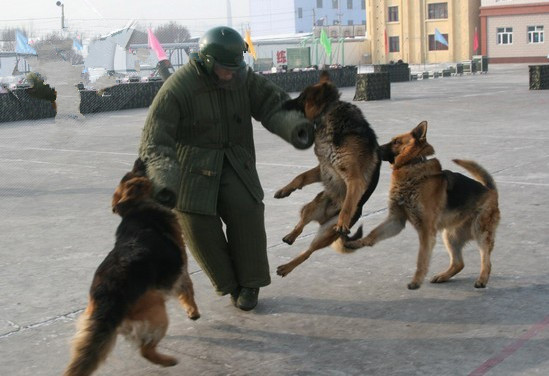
(513, 31)
(422, 31)
(272, 17)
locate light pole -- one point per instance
(60, 4)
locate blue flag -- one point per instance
(76, 44)
(440, 38)
(22, 44)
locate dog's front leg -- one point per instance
(355, 189)
(185, 294)
(308, 177)
(427, 238)
(392, 226)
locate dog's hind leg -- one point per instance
(454, 240)
(485, 232)
(308, 177)
(146, 325)
(320, 209)
(325, 236)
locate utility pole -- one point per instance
(314, 19)
(60, 4)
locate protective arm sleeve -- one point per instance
(266, 103)
(158, 147)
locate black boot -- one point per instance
(247, 299)
(234, 296)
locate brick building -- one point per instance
(512, 31)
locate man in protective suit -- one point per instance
(199, 149)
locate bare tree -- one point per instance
(172, 32)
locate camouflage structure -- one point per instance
(539, 77)
(119, 97)
(372, 86)
(398, 72)
(18, 105)
(297, 81)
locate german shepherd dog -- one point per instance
(130, 286)
(349, 164)
(433, 199)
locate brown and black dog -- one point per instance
(129, 288)
(433, 199)
(349, 164)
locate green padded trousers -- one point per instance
(235, 257)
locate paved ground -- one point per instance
(333, 315)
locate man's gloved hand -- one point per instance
(166, 198)
(303, 135)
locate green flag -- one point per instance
(325, 42)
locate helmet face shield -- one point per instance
(222, 52)
(227, 77)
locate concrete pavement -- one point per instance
(333, 315)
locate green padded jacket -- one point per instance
(192, 125)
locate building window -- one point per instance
(435, 45)
(350, 22)
(535, 34)
(349, 4)
(363, 4)
(438, 10)
(299, 12)
(392, 14)
(319, 3)
(394, 44)
(334, 4)
(505, 35)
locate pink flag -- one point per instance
(475, 41)
(155, 45)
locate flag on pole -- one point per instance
(475, 41)
(440, 38)
(22, 44)
(155, 45)
(386, 40)
(251, 48)
(76, 44)
(326, 42)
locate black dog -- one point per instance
(129, 288)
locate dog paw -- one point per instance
(281, 193)
(438, 279)
(342, 230)
(413, 286)
(288, 239)
(193, 315)
(283, 270)
(480, 285)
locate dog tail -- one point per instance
(339, 244)
(478, 172)
(92, 343)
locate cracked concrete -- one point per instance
(333, 315)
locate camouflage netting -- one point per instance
(372, 86)
(539, 77)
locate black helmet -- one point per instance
(224, 46)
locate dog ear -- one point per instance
(139, 167)
(324, 77)
(420, 132)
